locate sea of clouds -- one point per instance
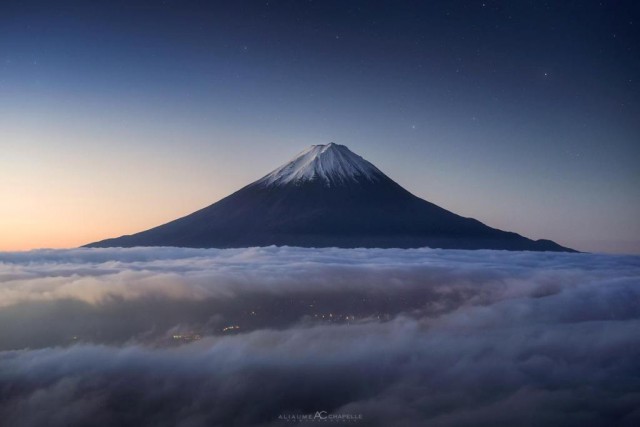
(388, 337)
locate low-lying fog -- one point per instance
(190, 337)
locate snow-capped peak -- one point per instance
(331, 163)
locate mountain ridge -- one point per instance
(327, 196)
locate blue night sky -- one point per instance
(116, 116)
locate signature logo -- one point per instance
(321, 416)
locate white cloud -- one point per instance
(472, 337)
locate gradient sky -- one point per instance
(117, 116)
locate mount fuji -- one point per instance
(327, 196)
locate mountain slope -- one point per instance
(327, 196)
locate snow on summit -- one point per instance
(332, 163)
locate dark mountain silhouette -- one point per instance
(327, 196)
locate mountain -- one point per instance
(327, 196)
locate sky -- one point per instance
(117, 116)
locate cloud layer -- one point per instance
(399, 337)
